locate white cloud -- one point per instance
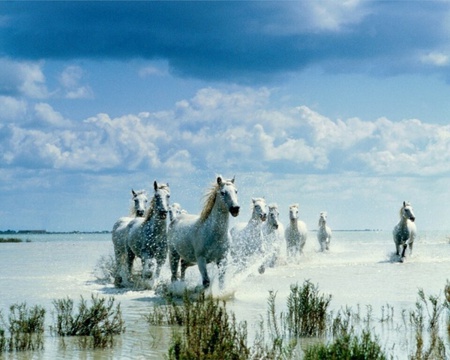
(49, 116)
(288, 139)
(22, 79)
(71, 79)
(12, 109)
(435, 58)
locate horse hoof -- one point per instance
(262, 269)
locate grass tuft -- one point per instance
(24, 330)
(100, 321)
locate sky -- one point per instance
(341, 107)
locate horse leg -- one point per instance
(147, 266)
(183, 266)
(174, 259)
(404, 250)
(221, 264)
(130, 259)
(410, 248)
(201, 263)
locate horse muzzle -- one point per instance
(163, 215)
(263, 217)
(412, 218)
(140, 213)
(234, 211)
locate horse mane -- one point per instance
(209, 200)
(151, 208)
(137, 192)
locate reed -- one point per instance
(100, 321)
(428, 312)
(347, 345)
(24, 330)
(307, 310)
(209, 332)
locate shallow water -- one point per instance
(357, 271)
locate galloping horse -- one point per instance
(203, 238)
(405, 231)
(247, 238)
(147, 237)
(273, 235)
(296, 233)
(120, 232)
(324, 232)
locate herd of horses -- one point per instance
(156, 230)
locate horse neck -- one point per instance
(404, 222)
(219, 216)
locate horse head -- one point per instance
(259, 209)
(293, 212)
(161, 199)
(273, 218)
(228, 193)
(322, 218)
(175, 210)
(406, 212)
(140, 201)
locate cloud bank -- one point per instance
(238, 130)
(243, 41)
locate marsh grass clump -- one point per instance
(307, 310)
(347, 346)
(209, 332)
(106, 269)
(427, 315)
(100, 321)
(11, 240)
(24, 330)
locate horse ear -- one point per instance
(133, 192)
(219, 180)
(232, 180)
(155, 185)
(404, 203)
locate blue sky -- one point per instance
(338, 106)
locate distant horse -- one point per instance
(120, 231)
(247, 238)
(324, 232)
(147, 236)
(202, 239)
(296, 233)
(405, 231)
(175, 209)
(273, 235)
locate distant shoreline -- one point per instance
(45, 232)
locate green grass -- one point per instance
(10, 240)
(24, 329)
(99, 322)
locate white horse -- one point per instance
(202, 239)
(405, 231)
(247, 238)
(175, 209)
(147, 236)
(324, 232)
(296, 233)
(120, 231)
(273, 235)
